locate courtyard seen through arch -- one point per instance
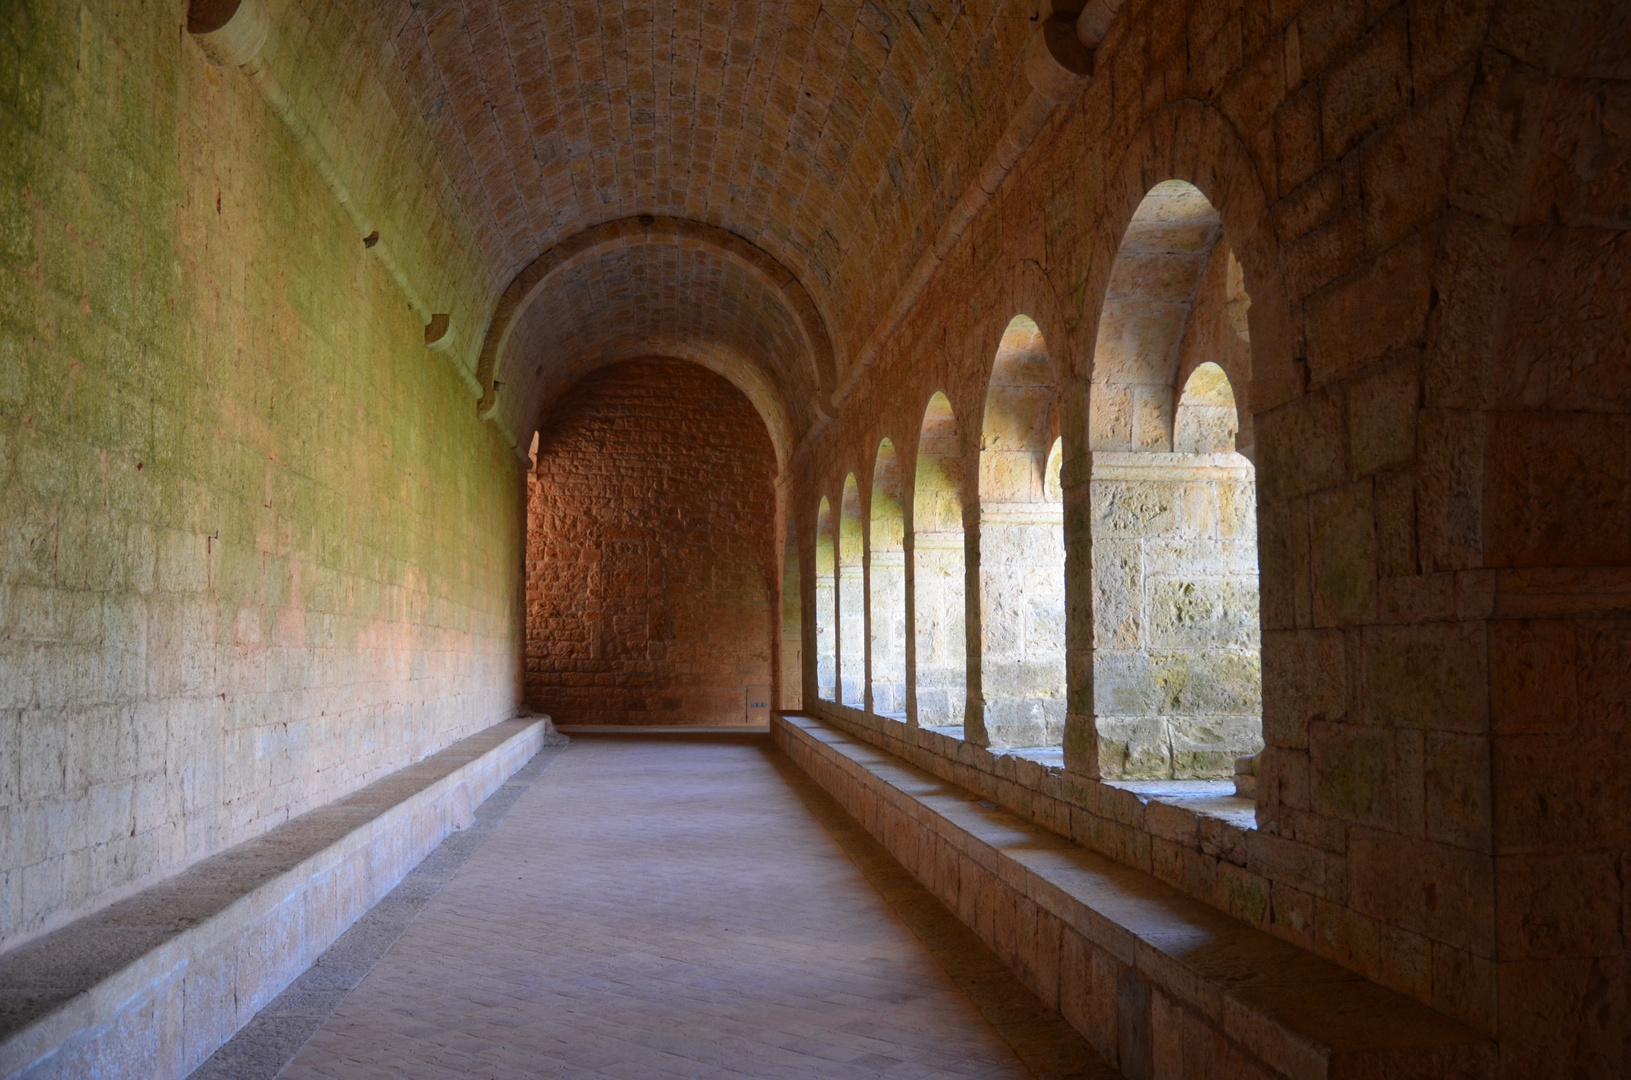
(886, 577)
(940, 680)
(826, 605)
(1022, 547)
(1177, 679)
(851, 598)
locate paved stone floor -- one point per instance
(685, 906)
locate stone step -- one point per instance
(1164, 986)
(153, 985)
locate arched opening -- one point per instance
(1207, 417)
(1177, 677)
(1022, 548)
(792, 653)
(851, 598)
(826, 608)
(940, 675)
(886, 585)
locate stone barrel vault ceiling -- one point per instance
(644, 294)
(831, 140)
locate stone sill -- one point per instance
(662, 729)
(1206, 848)
(153, 985)
(1204, 798)
(1196, 836)
(1136, 467)
(1144, 972)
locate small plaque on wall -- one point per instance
(758, 704)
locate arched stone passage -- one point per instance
(1177, 675)
(792, 643)
(1022, 548)
(644, 296)
(575, 303)
(940, 675)
(747, 375)
(826, 608)
(886, 585)
(851, 598)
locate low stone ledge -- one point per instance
(1163, 986)
(153, 985)
(1198, 845)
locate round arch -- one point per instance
(886, 583)
(938, 680)
(1177, 684)
(721, 358)
(1190, 141)
(816, 359)
(1021, 580)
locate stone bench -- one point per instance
(1164, 986)
(152, 985)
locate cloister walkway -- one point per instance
(668, 906)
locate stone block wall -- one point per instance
(886, 588)
(257, 550)
(886, 572)
(1022, 624)
(1429, 210)
(1177, 681)
(823, 618)
(651, 563)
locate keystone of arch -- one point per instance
(530, 282)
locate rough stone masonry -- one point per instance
(1317, 454)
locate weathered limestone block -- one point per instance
(1134, 747)
(1134, 510)
(1175, 613)
(1203, 613)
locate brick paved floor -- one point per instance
(673, 907)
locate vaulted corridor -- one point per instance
(1143, 487)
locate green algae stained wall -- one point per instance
(256, 549)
